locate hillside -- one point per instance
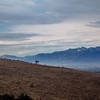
(48, 82)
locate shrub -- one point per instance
(11, 97)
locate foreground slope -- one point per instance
(47, 82)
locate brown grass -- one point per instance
(47, 82)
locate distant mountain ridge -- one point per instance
(82, 54)
(72, 55)
(87, 59)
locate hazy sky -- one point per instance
(28, 27)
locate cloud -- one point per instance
(15, 6)
(94, 24)
(72, 30)
(16, 36)
(46, 11)
(52, 37)
(33, 48)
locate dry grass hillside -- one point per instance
(47, 82)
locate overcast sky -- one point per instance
(29, 27)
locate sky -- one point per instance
(29, 27)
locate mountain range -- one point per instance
(70, 57)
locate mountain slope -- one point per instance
(47, 82)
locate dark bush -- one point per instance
(11, 97)
(6, 97)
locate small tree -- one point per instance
(36, 62)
